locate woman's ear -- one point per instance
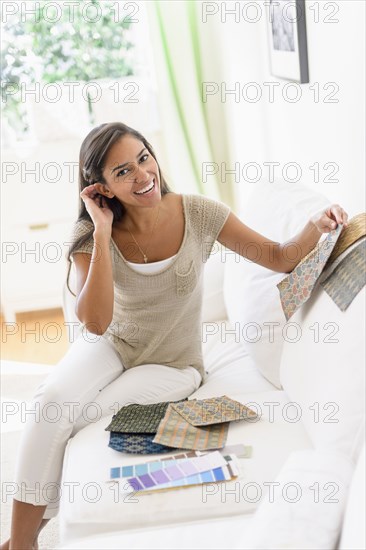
(104, 190)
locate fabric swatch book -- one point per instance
(348, 278)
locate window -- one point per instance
(61, 53)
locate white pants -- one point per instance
(68, 399)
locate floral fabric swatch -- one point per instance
(295, 289)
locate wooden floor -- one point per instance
(37, 337)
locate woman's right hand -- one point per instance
(96, 205)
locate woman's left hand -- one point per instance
(327, 220)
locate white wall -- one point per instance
(304, 132)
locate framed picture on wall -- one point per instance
(287, 40)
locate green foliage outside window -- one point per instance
(77, 47)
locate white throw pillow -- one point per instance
(213, 305)
(278, 211)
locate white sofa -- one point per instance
(306, 379)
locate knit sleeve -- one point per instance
(81, 228)
(207, 218)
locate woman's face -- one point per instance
(131, 174)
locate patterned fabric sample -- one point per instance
(137, 418)
(175, 431)
(348, 278)
(140, 444)
(355, 230)
(202, 412)
(296, 288)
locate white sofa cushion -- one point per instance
(217, 534)
(98, 508)
(231, 371)
(353, 532)
(324, 371)
(278, 211)
(305, 508)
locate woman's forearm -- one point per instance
(95, 302)
(292, 251)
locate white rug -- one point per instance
(18, 383)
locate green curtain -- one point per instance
(195, 137)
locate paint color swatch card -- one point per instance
(143, 468)
(203, 412)
(148, 466)
(223, 473)
(175, 431)
(178, 470)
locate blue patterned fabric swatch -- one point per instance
(140, 444)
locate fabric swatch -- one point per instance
(141, 444)
(348, 278)
(355, 230)
(295, 289)
(137, 418)
(202, 412)
(175, 431)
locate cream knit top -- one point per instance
(157, 315)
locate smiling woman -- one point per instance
(149, 323)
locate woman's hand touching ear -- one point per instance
(96, 205)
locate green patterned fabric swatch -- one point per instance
(348, 278)
(137, 418)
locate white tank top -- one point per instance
(152, 267)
